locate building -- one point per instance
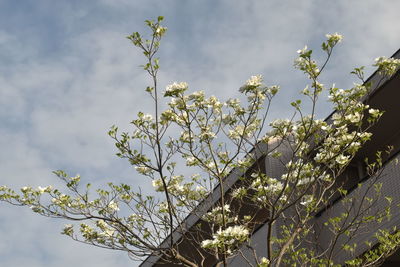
(385, 95)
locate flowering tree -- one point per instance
(219, 140)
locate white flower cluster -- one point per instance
(237, 133)
(240, 131)
(387, 66)
(134, 218)
(87, 232)
(76, 178)
(306, 200)
(176, 89)
(334, 38)
(191, 161)
(206, 134)
(355, 117)
(300, 173)
(213, 102)
(175, 184)
(254, 80)
(143, 170)
(233, 102)
(265, 188)
(106, 231)
(375, 113)
(178, 102)
(272, 90)
(112, 206)
(274, 186)
(42, 190)
(62, 200)
(197, 95)
(163, 207)
(186, 136)
(147, 117)
(158, 185)
(337, 148)
(304, 63)
(230, 237)
(281, 127)
(302, 51)
(169, 115)
(143, 120)
(348, 97)
(251, 84)
(183, 191)
(215, 215)
(26, 189)
(160, 30)
(103, 234)
(239, 192)
(264, 262)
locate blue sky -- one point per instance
(68, 73)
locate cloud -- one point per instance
(35, 241)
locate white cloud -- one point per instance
(35, 241)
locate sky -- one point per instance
(67, 74)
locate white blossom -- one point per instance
(306, 200)
(302, 51)
(26, 189)
(147, 117)
(143, 170)
(163, 207)
(342, 159)
(158, 185)
(190, 161)
(46, 189)
(254, 80)
(231, 236)
(207, 243)
(252, 83)
(375, 113)
(334, 38)
(354, 118)
(113, 206)
(176, 88)
(264, 262)
(387, 66)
